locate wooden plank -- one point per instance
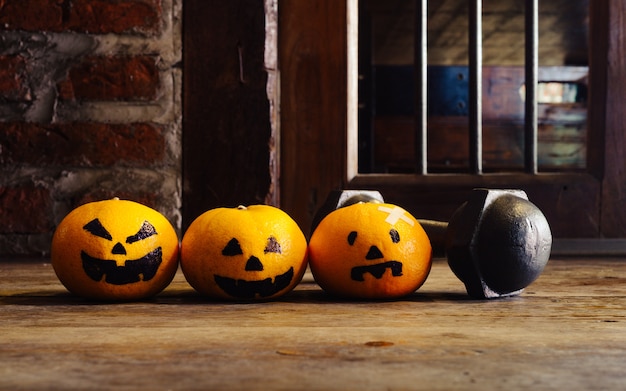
(566, 331)
(589, 247)
(598, 57)
(313, 64)
(226, 121)
(613, 65)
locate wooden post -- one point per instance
(313, 68)
(227, 127)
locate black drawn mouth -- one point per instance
(243, 289)
(134, 270)
(377, 270)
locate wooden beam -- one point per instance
(313, 67)
(226, 121)
(610, 57)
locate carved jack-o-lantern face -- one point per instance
(115, 249)
(370, 250)
(242, 253)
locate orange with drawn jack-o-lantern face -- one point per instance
(115, 250)
(370, 251)
(245, 253)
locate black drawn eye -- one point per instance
(395, 236)
(232, 248)
(96, 228)
(352, 237)
(272, 246)
(145, 231)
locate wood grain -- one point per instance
(566, 331)
(226, 119)
(312, 58)
(613, 65)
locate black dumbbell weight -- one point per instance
(497, 243)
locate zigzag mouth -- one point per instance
(243, 289)
(134, 270)
(377, 270)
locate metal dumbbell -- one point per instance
(339, 198)
(497, 243)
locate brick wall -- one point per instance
(89, 109)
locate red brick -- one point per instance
(13, 85)
(25, 210)
(81, 144)
(87, 16)
(112, 78)
(31, 15)
(106, 16)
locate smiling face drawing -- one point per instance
(369, 250)
(250, 287)
(143, 268)
(115, 249)
(245, 253)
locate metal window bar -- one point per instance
(475, 86)
(531, 66)
(421, 140)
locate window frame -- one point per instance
(319, 139)
(416, 191)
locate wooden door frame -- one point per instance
(318, 148)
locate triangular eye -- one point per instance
(351, 237)
(232, 248)
(272, 246)
(145, 231)
(95, 228)
(395, 236)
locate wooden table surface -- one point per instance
(567, 331)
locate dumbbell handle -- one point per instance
(436, 231)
